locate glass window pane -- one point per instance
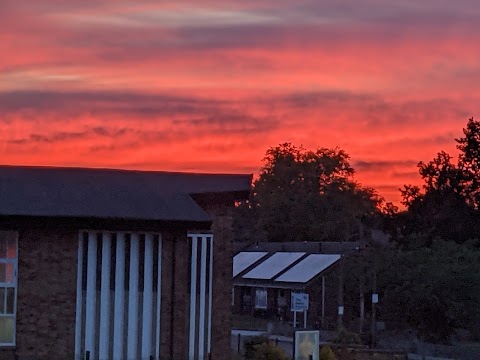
(10, 300)
(9, 273)
(3, 244)
(8, 244)
(6, 329)
(3, 276)
(11, 245)
(2, 300)
(261, 298)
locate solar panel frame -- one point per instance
(244, 259)
(272, 266)
(308, 268)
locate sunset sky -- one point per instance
(209, 85)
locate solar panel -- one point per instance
(273, 265)
(243, 260)
(308, 268)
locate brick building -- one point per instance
(266, 274)
(117, 264)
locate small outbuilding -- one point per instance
(267, 276)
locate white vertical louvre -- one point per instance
(110, 323)
(104, 335)
(132, 336)
(159, 298)
(119, 305)
(147, 315)
(193, 299)
(78, 313)
(210, 297)
(90, 311)
(200, 326)
(203, 295)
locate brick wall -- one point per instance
(175, 309)
(47, 278)
(222, 279)
(331, 300)
(46, 302)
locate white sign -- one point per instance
(299, 302)
(374, 298)
(340, 310)
(307, 344)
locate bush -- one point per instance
(269, 351)
(345, 337)
(249, 346)
(326, 353)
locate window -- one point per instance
(261, 298)
(8, 286)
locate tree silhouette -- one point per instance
(307, 195)
(447, 205)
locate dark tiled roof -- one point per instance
(323, 247)
(108, 193)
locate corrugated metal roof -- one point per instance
(109, 193)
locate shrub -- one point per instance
(249, 345)
(326, 353)
(345, 337)
(269, 351)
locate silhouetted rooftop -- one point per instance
(110, 193)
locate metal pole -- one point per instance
(294, 318)
(239, 342)
(305, 318)
(294, 343)
(340, 291)
(362, 301)
(374, 288)
(323, 301)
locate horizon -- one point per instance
(210, 86)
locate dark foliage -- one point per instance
(303, 195)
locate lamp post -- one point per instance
(374, 301)
(340, 292)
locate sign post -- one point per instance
(299, 303)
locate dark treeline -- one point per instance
(428, 274)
